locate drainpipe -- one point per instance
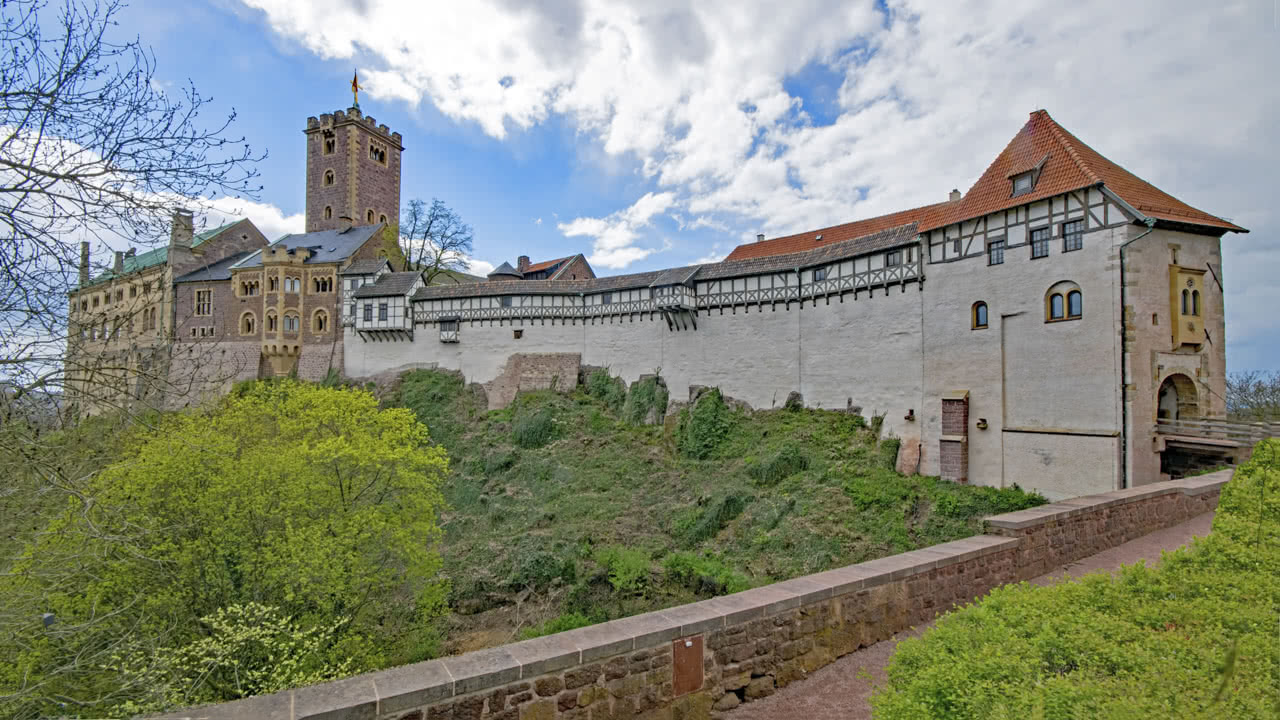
(1124, 367)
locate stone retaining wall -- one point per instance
(689, 661)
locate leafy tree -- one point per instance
(433, 239)
(306, 499)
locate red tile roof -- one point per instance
(801, 242)
(1068, 164)
(546, 264)
(1065, 164)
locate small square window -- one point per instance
(819, 274)
(1072, 235)
(893, 258)
(1040, 242)
(995, 252)
(1022, 184)
(606, 299)
(506, 301)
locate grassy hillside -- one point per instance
(566, 509)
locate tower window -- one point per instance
(247, 324)
(271, 321)
(328, 212)
(979, 315)
(377, 152)
(320, 322)
(330, 142)
(291, 323)
(382, 218)
(328, 177)
(369, 216)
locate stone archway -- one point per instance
(1178, 399)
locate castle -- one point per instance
(1031, 330)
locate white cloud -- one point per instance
(479, 267)
(930, 93)
(615, 236)
(268, 218)
(537, 221)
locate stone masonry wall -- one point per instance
(688, 662)
(532, 371)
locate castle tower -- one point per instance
(353, 170)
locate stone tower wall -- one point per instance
(360, 184)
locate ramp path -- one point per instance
(842, 690)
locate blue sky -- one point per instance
(664, 134)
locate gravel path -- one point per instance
(840, 691)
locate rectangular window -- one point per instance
(352, 313)
(448, 326)
(819, 274)
(204, 303)
(893, 258)
(506, 301)
(382, 311)
(1040, 243)
(995, 252)
(1072, 235)
(956, 247)
(368, 312)
(1022, 184)
(606, 299)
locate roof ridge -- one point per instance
(1064, 139)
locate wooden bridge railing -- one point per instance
(1243, 433)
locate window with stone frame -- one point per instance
(247, 324)
(328, 142)
(1040, 243)
(1072, 235)
(204, 303)
(290, 322)
(328, 212)
(378, 152)
(328, 177)
(320, 322)
(272, 321)
(978, 317)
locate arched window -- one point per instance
(290, 322)
(369, 215)
(979, 315)
(1186, 302)
(271, 321)
(320, 322)
(328, 212)
(273, 283)
(247, 324)
(1055, 307)
(328, 177)
(382, 218)
(1195, 302)
(1063, 301)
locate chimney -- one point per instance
(118, 266)
(183, 229)
(83, 264)
(759, 237)
(955, 195)
(522, 263)
(344, 223)
(131, 253)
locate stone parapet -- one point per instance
(686, 661)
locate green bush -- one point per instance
(648, 394)
(781, 465)
(538, 569)
(706, 576)
(533, 425)
(1193, 638)
(628, 568)
(703, 426)
(560, 623)
(707, 521)
(606, 388)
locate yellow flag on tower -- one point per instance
(355, 88)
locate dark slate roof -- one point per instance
(883, 240)
(367, 266)
(327, 245)
(394, 283)
(220, 270)
(821, 255)
(505, 269)
(158, 256)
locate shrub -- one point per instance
(786, 462)
(561, 623)
(606, 388)
(628, 568)
(646, 395)
(714, 516)
(1192, 638)
(533, 425)
(706, 576)
(538, 569)
(703, 426)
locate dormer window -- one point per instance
(1022, 184)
